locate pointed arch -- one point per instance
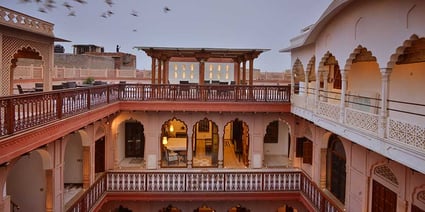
(329, 65)
(336, 168)
(311, 70)
(205, 143)
(298, 71)
(386, 173)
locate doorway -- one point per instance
(99, 156)
(134, 140)
(383, 199)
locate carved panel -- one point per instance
(407, 133)
(385, 173)
(361, 120)
(329, 111)
(10, 46)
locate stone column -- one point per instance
(165, 71)
(317, 90)
(244, 71)
(325, 85)
(49, 190)
(251, 71)
(383, 115)
(306, 84)
(189, 156)
(201, 70)
(343, 94)
(86, 167)
(220, 151)
(153, 70)
(160, 69)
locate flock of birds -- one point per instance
(46, 5)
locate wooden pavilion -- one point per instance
(161, 56)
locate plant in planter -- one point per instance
(89, 80)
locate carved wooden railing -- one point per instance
(22, 112)
(211, 181)
(91, 196)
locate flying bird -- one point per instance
(109, 2)
(166, 9)
(42, 10)
(72, 13)
(49, 4)
(67, 5)
(81, 1)
(109, 13)
(134, 13)
(104, 15)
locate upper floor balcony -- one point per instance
(363, 105)
(30, 110)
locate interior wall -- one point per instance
(26, 183)
(364, 79)
(280, 148)
(407, 79)
(73, 161)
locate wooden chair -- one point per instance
(22, 91)
(171, 156)
(39, 86)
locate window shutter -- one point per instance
(308, 152)
(299, 147)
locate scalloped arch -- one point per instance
(400, 50)
(359, 54)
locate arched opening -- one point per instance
(28, 194)
(99, 151)
(99, 155)
(26, 69)
(73, 166)
(204, 208)
(330, 79)
(205, 143)
(384, 189)
(336, 168)
(298, 77)
(236, 144)
(238, 208)
(407, 77)
(364, 87)
(276, 146)
(134, 142)
(173, 142)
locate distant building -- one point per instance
(81, 49)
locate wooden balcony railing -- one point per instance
(21, 112)
(212, 181)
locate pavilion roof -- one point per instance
(201, 52)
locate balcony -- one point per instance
(211, 185)
(395, 132)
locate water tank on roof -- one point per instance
(59, 49)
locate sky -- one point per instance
(256, 24)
